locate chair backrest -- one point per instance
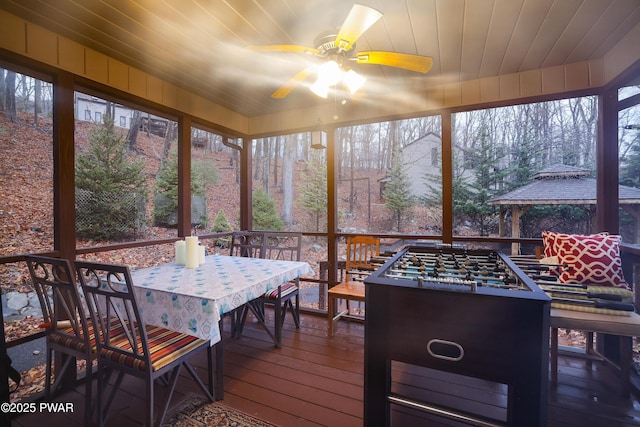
(120, 332)
(360, 250)
(282, 245)
(57, 290)
(247, 244)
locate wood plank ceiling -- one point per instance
(200, 44)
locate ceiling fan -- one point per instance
(338, 50)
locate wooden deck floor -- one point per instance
(316, 381)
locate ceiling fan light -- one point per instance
(330, 73)
(320, 88)
(353, 81)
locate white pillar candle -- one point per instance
(181, 252)
(192, 251)
(201, 254)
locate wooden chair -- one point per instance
(246, 244)
(128, 346)
(271, 245)
(66, 323)
(287, 247)
(360, 250)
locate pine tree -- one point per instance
(471, 200)
(630, 167)
(221, 225)
(265, 216)
(110, 187)
(313, 197)
(397, 192)
(166, 205)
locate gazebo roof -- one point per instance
(562, 185)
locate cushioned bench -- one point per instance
(624, 327)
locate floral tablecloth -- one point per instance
(192, 300)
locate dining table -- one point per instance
(193, 300)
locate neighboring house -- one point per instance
(420, 157)
(92, 109)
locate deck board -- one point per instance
(315, 381)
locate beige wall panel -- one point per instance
(12, 33)
(118, 74)
(207, 110)
(293, 121)
(434, 97)
(169, 95)
(596, 73)
(154, 89)
(97, 66)
(416, 101)
(183, 100)
(531, 83)
(137, 82)
(470, 92)
(452, 94)
(490, 89)
(71, 56)
(42, 44)
(552, 79)
(577, 76)
(227, 118)
(510, 86)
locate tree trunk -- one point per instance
(288, 165)
(107, 112)
(257, 158)
(2, 90)
(352, 165)
(36, 101)
(266, 166)
(167, 144)
(275, 161)
(10, 96)
(132, 135)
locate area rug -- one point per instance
(196, 411)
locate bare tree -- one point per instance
(258, 152)
(10, 96)
(36, 101)
(288, 165)
(2, 90)
(266, 164)
(134, 127)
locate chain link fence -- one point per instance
(107, 215)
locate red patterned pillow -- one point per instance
(549, 242)
(592, 259)
(550, 238)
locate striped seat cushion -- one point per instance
(165, 346)
(286, 289)
(67, 337)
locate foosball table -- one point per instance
(472, 313)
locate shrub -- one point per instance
(110, 187)
(265, 216)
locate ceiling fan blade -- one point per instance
(286, 88)
(358, 21)
(283, 48)
(420, 64)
